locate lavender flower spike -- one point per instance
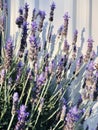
(21, 11)
(53, 6)
(22, 115)
(66, 16)
(15, 97)
(8, 53)
(15, 102)
(75, 32)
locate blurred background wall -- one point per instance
(83, 16)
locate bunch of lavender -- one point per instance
(53, 85)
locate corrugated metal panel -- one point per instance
(83, 14)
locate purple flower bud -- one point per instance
(8, 53)
(42, 14)
(74, 110)
(15, 97)
(34, 26)
(26, 7)
(60, 30)
(22, 114)
(66, 16)
(25, 29)
(20, 64)
(66, 46)
(19, 21)
(93, 54)
(90, 66)
(41, 79)
(90, 40)
(21, 11)
(53, 6)
(96, 74)
(32, 39)
(75, 32)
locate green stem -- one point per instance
(41, 95)
(24, 88)
(28, 96)
(57, 124)
(36, 119)
(52, 115)
(12, 118)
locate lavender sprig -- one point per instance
(8, 53)
(22, 116)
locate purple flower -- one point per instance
(41, 79)
(60, 29)
(26, 7)
(53, 6)
(93, 54)
(25, 29)
(66, 16)
(21, 11)
(79, 62)
(15, 97)
(19, 71)
(9, 53)
(90, 66)
(34, 10)
(32, 39)
(22, 116)
(74, 110)
(20, 64)
(42, 14)
(75, 32)
(66, 46)
(19, 21)
(90, 40)
(34, 14)
(34, 27)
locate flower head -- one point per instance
(53, 6)
(34, 26)
(90, 66)
(42, 14)
(15, 97)
(32, 39)
(19, 21)
(60, 29)
(75, 32)
(21, 11)
(26, 7)
(22, 114)
(66, 16)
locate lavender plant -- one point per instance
(39, 90)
